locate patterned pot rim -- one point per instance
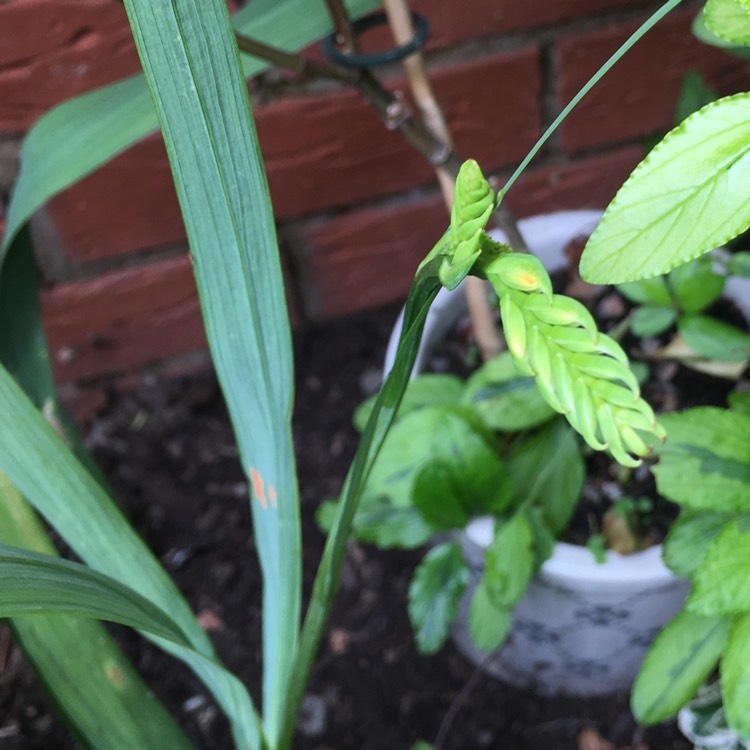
(572, 565)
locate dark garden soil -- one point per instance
(167, 448)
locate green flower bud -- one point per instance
(514, 326)
(561, 311)
(522, 272)
(605, 368)
(586, 414)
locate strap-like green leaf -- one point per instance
(192, 65)
(686, 197)
(32, 583)
(39, 464)
(102, 697)
(80, 135)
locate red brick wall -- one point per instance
(356, 207)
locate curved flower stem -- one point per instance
(641, 31)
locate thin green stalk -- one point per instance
(423, 292)
(641, 31)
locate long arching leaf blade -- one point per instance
(102, 697)
(33, 583)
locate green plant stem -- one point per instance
(424, 289)
(643, 29)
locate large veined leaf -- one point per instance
(689, 538)
(721, 585)
(689, 195)
(103, 698)
(735, 677)
(434, 594)
(705, 464)
(192, 65)
(80, 135)
(682, 656)
(547, 472)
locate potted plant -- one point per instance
(192, 64)
(583, 625)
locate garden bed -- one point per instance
(169, 451)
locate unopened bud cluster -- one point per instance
(473, 202)
(581, 372)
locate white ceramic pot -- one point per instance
(583, 627)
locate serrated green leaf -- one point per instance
(547, 471)
(689, 538)
(434, 593)
(706, 36)
(504, 398)
(432, 433)
(381, 522)
(682, 656)
(735, 677)
(685, 198)
(653, 292)
(449, 493)
(488, 623)
(705, 462)
(714, 339)
(426, 390)
(728, 20)
(721, 584)
(696, 285)
(651, 321)
(510, 561)
(739, 264)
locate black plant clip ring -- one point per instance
(352, 60)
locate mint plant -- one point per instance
(688, 196)
(194, 87)
(679, 300)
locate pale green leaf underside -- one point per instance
(78, 136)
(729, 20)
(689, 195)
